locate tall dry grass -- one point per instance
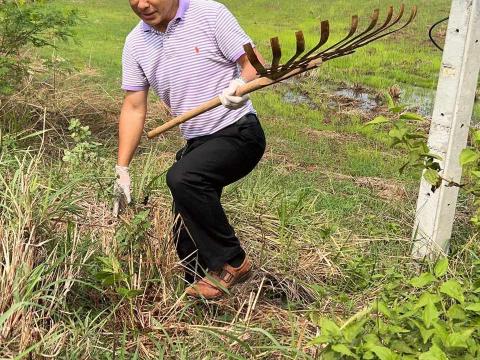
(77, 283)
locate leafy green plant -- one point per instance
(470, 160)
(404, 134)
(112, 275)
(437, 318)
(84, 150)
(131, 233)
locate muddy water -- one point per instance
(363, 100)
(299, 99)
(417, 99)
(423, 100)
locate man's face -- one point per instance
(155, 12)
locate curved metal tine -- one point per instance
(252, 57)
(277, 54)
(412, 16)
(353, 30)
(325, 35)
(385, 25)
(379, 30)
(335, 55)
(373, 23)
(300, 49)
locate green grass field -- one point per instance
(326, 216)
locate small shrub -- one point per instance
(436, 319)
(85, 150)
(27, 24)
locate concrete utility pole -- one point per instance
(450, 127)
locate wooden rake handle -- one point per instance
(252, 86)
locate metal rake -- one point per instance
(300, 62)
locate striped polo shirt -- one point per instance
(192, 62)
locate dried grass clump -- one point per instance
(55, 222)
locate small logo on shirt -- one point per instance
(197, 50)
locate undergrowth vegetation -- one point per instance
(326, 219)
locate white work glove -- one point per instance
(228, 98)
(121, 189)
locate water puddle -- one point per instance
(423, 100)
(361, 99)
(298, 99)
(419, 100)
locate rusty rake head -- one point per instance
(348, 45)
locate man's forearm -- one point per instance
(130, 132)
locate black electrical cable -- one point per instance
(431, 31)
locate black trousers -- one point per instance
(204, 238)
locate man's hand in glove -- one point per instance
(121, 189)
(228, 98)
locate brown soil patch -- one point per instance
(328, 134)
(386, 189)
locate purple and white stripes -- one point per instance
(192, 62)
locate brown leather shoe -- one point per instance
(216, 283)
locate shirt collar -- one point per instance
(180, 15)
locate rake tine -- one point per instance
(353, 30)
(252, 57)
(367, 35)
(325, 35)
(300, 49)
(412, 16)
(352, 48)
(277, 54)
(349, 46)
(373, 23)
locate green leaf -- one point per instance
(455, 312)
(397, 109)
(458, 339)
(432, 177)
(441, 267)
(426, 333)
(475, 173)
(435, 353)
(402, 347)
(328, 327)
(422, 280)
(129, 294)
(383, 353)
(371, 340)
(474, 307)
(476, 136)
(441, 332)
(453, 289)
(378, 120)
(427, 298)
(411, 116)
(430, 314)
(351, 332)
(329, 355)
(321, 339)
(344, 350)
(468, 156)
(390, 102)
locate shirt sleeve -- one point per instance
(133, 77)
(229, 35)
